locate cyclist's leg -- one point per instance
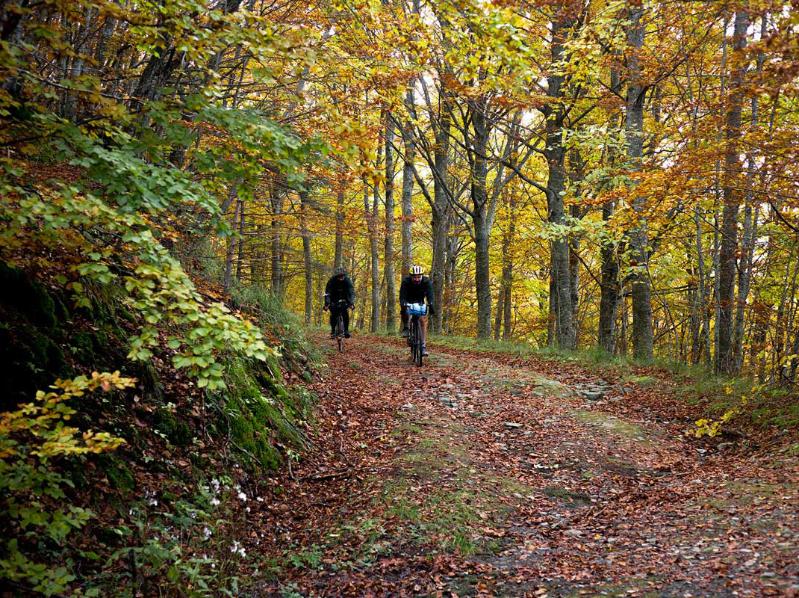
(333, 320)
(423, 327)
(346, 315)
(404, 318)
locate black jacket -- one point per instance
(339, 289)
(411, 292)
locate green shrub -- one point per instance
(34, 503)
(297, 351)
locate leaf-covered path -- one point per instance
(485, 474)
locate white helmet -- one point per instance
(416, 271)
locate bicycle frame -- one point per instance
(340, 306)
(415, 340)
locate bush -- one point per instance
(285, 325)
(35, 504)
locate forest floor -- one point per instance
(490, 474)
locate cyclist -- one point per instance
(415, 288)
(339, 288)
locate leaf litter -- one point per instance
(403, 493)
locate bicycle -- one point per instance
(341, 305)
(415, 339)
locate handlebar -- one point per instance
(339, 303)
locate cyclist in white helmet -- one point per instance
(416, 288)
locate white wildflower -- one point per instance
(215, 502)
(238, 549)
(242, 497)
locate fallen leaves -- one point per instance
(503, 490)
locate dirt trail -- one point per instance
(485, 475)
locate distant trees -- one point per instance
(575, 174)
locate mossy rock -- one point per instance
(258, 413)
(29, 361)
(119, 475)
(41, 339)
(19, 292)
(176, 430)
(83, 347)
(150, 381)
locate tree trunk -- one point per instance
(338, 260)
(449, 282)
(374, 246)
(744, 280)
(552, 315)
(321, 278)
(610, 290)
(507, 325)
(634, 134)
(703, 292)
(480, 220)
(230, 252)
(725, 358)
(502, 322)
(388, 264)
(751, 212)
(624, 333)
(240, 256)
(507, 271)
(574, 277)
(407, 188)
(306, 255)
(498, 312)
(565, 335)
(161, 65)
(276, 200)
(440, 219)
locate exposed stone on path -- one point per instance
(593, 391)
(447, 401)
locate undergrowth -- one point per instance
(164, 508)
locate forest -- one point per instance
(606, 182)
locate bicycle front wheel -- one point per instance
(417, 343)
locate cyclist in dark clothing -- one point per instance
(339, 288)
(416, 288)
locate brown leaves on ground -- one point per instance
(488, 475)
